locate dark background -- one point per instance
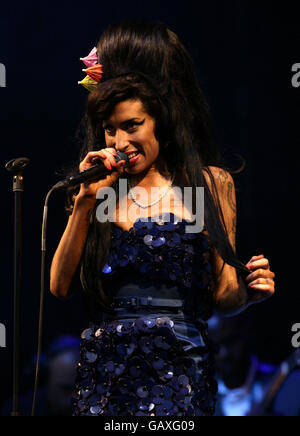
(244, 52)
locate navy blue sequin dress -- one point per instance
(152, 357)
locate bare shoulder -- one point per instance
(220, 182)
(221, 177)
(221, 185)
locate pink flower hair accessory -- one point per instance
(91, 59)
(94, 71)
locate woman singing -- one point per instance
(151, 284)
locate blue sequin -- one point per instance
(159, 242)
(141, 367)
(145, 381)
(107, 269)
(163, 251)
(174, 240)
(148, 239)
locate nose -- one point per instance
(121, 141)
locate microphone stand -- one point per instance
(17, 166)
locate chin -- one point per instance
(134, 170)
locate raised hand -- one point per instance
(261, 280)
(107, 155)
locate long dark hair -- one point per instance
(146, 61)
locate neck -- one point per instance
(155, 176)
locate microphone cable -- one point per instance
(42, 297)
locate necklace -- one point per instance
(132, 196)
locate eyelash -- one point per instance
(107, 130)
(131, 128)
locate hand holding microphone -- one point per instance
(99, 169)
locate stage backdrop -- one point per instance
(244, 52)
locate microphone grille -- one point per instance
(122, 156)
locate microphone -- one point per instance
(98, 171)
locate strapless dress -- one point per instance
(152, 357)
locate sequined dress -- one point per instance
(153, 356)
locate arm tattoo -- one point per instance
(222, 176)
(232, 205)
(231, 201)
(232, 230)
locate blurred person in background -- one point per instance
(57, 379)
(247, 386)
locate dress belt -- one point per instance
(127, 302)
